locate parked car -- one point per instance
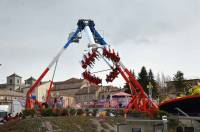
(2, 115)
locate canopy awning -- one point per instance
(121, 94)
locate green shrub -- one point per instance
(121, 112)
(46, 112)
(117, 112)
(56, 112)
(72, 112)
(79, 111)
(108, 112)
(114, 111)
(87, 111)
(94, 112)
(29, 112)
(132, 111)
(65, 112)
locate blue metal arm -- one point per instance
(98, 36)
(72, 37)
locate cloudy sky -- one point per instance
(161, 35)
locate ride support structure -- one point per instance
(99, 49)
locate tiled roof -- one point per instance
(69, 81)
(30, 78)
(72, 83)
(14, 75)
(74, 80)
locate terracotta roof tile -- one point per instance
(72, 83)
(71, 80)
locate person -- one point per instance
(5, 119)
(17, 115)
(9, 115)
(20, 115)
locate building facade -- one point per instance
(67, 90)
(8, 99)
(173, 91)
(14, 82)
(40, 92)
(68, 87)
(106, 92)
(7, 96)
(30, 81)
(80, 91)
(87, 94)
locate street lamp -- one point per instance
(164, 119)
(150, 86)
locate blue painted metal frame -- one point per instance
(98, 36)
(72, 38)
(94, 32)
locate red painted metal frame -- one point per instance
(29, 93)
(178, 99)
(49, 91)
(38, 103)
(140, 100)
(127, 81)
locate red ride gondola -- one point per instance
(91, 78)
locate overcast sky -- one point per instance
(160, 34)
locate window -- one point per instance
(189, 129)
(10, 81)
(18, 81)
(9, 97)
(136, 130)
(179, 129)
(1, 97)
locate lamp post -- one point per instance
(164, 119)
(150, 86)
